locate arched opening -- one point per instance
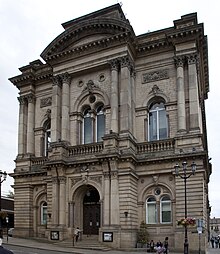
(91, 211)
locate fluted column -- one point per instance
(193, 93)
(114, 95)
(181, 107)
(30, 123)
(55, 201)
(65, 123)
(56, 109)
(22, 126)
(62, 199)
(125, 95)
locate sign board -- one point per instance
(107, 236)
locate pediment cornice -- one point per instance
(107, 31)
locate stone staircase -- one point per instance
(85, 242)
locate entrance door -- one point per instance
(91, 212)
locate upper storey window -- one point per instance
(47, 137)
(157, 127)
(93, 124)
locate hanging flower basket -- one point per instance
(186, 222)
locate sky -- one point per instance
(28, 26)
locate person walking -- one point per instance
(4, 250)
(165, 245)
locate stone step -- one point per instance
(85, 242)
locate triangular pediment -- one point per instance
(88, 30)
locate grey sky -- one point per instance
(28, 26)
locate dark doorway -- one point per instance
(91, 211)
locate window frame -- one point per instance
(162, 202)
(157, 111)
(43, 213)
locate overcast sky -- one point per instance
(28, 26)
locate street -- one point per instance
(28, 250)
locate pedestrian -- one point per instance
(216, 242)
(212, 241)
(76, 233)
(4, 250)
(151, 246)
(165, 245)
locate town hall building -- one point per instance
(103, 120)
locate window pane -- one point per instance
(100, 126)
(151, 213)
(87, 130)
(162, 124)
(165, 210)
(152, 126)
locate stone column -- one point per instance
(56, 109)
(114, 95)
(35, 219)
(107, 205)
(65, 123)
(22, 126)
(55, 201)
(62, 199)
(30, 124)
(114, 195)
(71, 214)
(193, 93)
(125, 95)
(181, 107)
(133, 99)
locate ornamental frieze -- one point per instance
(155, 76)
(45, 102)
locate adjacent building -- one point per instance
(102, 123)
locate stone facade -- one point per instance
(144, 96)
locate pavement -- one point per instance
(57, 246)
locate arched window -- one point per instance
(100, 123)
(157, 127)
(47, 137)
(165, 209)
(44, 213)
(87, 127)
(93, 124)
(151, 210)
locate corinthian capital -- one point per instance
(192, 59)
(22, 100)
(179, 61)
(114, 64)
(66, 78)
(56, 80)
(125, 62)
(30, 98)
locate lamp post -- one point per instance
(3, 176)
(185, 175)
(7, 220)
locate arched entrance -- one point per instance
(91, 211)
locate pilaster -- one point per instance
(181, 107)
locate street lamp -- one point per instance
(3, 176)
(185, 175)
(7, 220)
